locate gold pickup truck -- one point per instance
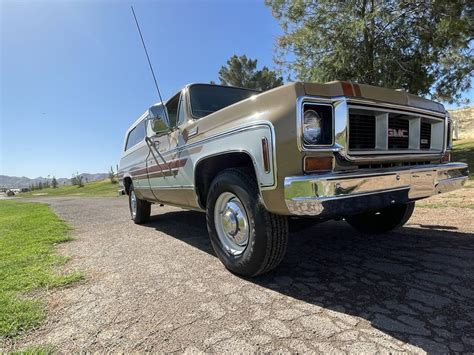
(301, 153)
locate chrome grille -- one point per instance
(425, 135)
(380, 130)
(398, 133)
(361, 132)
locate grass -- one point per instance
(96, 188)
(463, 151)
(36, 350)
(28, 233)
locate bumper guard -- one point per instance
(343, 193)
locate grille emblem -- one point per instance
(399, 133)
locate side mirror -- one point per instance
(159, 126)
(157, 118)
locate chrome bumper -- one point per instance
(343, 193)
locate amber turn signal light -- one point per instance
(266, 155)
(317, 164)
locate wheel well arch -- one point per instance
(209, 167)
(127, 182)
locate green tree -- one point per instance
(77, 180)
(242, 71)
(424, 46)
(54, 182)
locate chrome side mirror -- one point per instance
(158, 120)
(159, 126)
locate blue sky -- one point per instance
(74, 76)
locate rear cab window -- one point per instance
(136, 135)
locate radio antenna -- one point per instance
(149, 62)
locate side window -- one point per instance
(136, 135)
(141, 132)
(172, 107)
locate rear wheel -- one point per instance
(139, 209)
(382, 221)
(247, 238)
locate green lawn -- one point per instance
(96, 188)
(28, 233)
(35, 350)
(463, 151)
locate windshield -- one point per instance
(206, 99)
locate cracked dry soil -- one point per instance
(159, 287)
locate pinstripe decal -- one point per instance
(160, 169)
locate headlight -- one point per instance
(312, 124)
(317, 125)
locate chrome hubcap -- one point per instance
(231, 223)
(133, 204)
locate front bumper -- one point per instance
(342, 193)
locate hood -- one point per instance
(362, 91)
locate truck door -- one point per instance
(178, 153)
(158, 146)
(168, 179)
(162, 167)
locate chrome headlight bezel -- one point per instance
(325, 111)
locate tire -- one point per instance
(260, 239)
(382, 221)
(141, 213)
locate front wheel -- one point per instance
(139, 209)
(247, 238)
(382, 221)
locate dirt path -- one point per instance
(159, 287)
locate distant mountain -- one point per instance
(17, 182)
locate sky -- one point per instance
(74, 75)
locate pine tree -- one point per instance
(242, 72)
(423, 47)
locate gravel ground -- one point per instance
(159, 287)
